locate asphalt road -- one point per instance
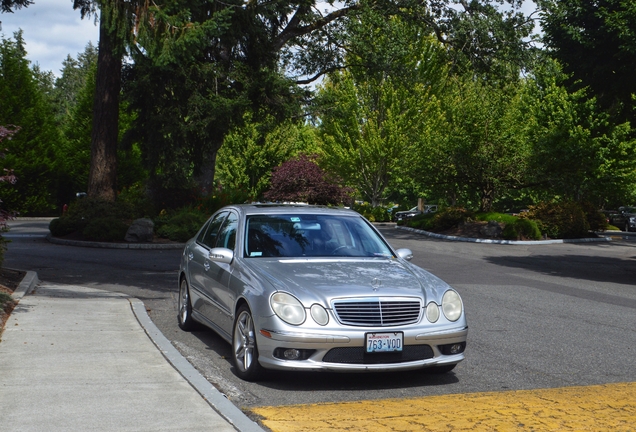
(540, 316)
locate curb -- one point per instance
(211, 394)
(104, 245)
(29, 282)
(504, 242)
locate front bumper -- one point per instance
(344, 351)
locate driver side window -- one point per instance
(208, 236)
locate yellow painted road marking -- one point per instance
(610, 407)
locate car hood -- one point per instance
(321, 280)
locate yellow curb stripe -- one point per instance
(610, 407)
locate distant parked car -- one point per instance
(408, 214)
(624, 218)
(317, 289)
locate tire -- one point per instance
(184, 316)
(438, 370)
(244, 348)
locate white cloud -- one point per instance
(52, 29)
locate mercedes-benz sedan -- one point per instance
(297, 287)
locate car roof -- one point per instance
(274, 208)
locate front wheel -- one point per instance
(186, 322)
(244, 348)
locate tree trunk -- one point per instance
(102, 178)
(207, 167)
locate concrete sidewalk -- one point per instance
(77, 359)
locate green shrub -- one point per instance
(373, 214)
(60, 227)
(180, 225)
(595, 218)
(528, 229)
(510, 232)
(560, 219)
(86, 210)
(105, 229)
(521, 229)
(138, 200)
(220, 198)
(425, 221)
(451, 217)
(498, 217)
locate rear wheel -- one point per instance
(244, 349)
(185, 307)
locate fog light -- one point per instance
(291, 354)
(451, 349)
(456, 349)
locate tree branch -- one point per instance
(294, 30)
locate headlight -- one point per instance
(319, 314)
(452, 305)
(432, 312)
(288, 308)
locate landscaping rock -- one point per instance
(141, 231)
(491, 230)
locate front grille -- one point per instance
(378, 312)
(358, 355)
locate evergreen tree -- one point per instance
(31, 153)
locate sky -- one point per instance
(52, 30)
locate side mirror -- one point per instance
(405, 254)
(221, 255)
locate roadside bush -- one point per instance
(138, 200)
(451, 217)
(220, 198)
(61, 227)
(524, 229)
(373, 214)
(180, 225)
(595, 218)
(425, 221)
(83, 211)
(105, 229)
(560, 219)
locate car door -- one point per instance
(218, 277)
(199, 264)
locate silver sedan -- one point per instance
(297, 287)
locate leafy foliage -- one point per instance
(302, 180)
(596, 43)
(522, 229)
(32, 152)
(249, 153)
(560, 219)
(105, 229)
(180, 225)
(578, 153)
(84, 211)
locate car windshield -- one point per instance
(306, 235)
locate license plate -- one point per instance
(384, 342)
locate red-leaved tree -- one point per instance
(302, 180)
